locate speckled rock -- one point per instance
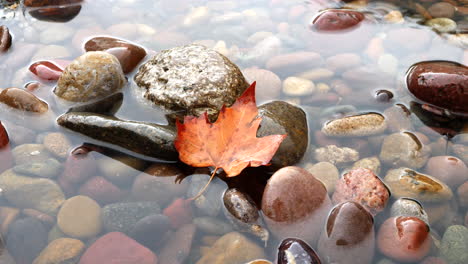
(26, 192)
(364, 187)
(30, 153)
(280, 118)
(454, 247)
(405, 182)
(297, 215)
(371, 163)
(122, 217)
(404, 239)
(80, 217)
(192, 79)
(409, 207)
(226, 250)
(336, 155)
(93, 75)
(348, 236)
(442, 86)
(357, 125)
(61, 251)
(326, 172)
(404, 149)
(115, 247)
(57, 144)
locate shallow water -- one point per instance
(249, 33)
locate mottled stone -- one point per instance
(191, 79)
(409, 207)
(91, 76)
(226, 250)
(357, 125)
(336, 155)
(61, 251)
(371, 163)
(404, 149)
(454, 246)
(404, 182)
(27, 192)
(404, 239)
(348, 236)
(294, 203)
(23, 100)
(122, 217)
(80, 217)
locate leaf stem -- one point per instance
(206, 186)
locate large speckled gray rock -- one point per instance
(191, 80)
(93, 75)
(280, 118)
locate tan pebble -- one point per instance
(295, 86)
(57, 144)
(317, 74)
(357, 125)
(80, 217)
(404, 149)
(371, 163)
(326, 172)
(395, 17)
(322, 88)
(61, 251)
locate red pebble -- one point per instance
(332, 20)
(180, 212)
(48, 70)
(116, 247)
(405, 239)
(101, 190)
(6, 159)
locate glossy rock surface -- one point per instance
(23, 100)
(293, 250)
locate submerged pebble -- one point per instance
(358, 125)
(292, 250)
(5, 39)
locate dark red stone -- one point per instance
(297, 249)
(115, 247)
(48, 70)
(56, 14)
(440, 83)
(5, 39)
(38, 3)
(127, 53)
(334, 19)
(101, 190)
(6, 159)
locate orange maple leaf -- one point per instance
(231, 142)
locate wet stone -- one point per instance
(178, 247)
(121, 171)
(25, 239)
(336, 155)
(129, 55)
(404, 239)
(150, 230)
(47, 70)
(404, 149)
(442, 24)
(61, 251)
(5, 39)
(326, 172)
(210, 202)
(49, 168)
(101, 190)
(207, 81)
(240, 206)
(292, 250)
(454, 247)
(226, 250)
(57, 144)
(80, 217)
(404, 182)
(288, 215)
(371, 163)
(26, 192)
(358, 125)
(348, 235)
(443, 84)
(448, 169)
(38, 3)
(409, 207)
(364, 187)
(23, 100)
(30, 153)
(334, 20)
(280, 118)
(6, 158)
(297, 86)
(106, 106)
(398, 118)
(268, 83)
(122, 217)
(7, 216)
(114, 247)
(212, 226)
(91, 76)
(442, 9)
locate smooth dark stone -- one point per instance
(106, 106)
(292, 251)
(148, 139)
(25, 239)
(5, 39)
(38, 3)
(56, 14)
(4, 140)
(240, 206)
(23, 100)
(150, 230)
(127, 53)
(279, 118)
(440, 83)
(333, 20)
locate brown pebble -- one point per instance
(23, 100)
(441, 9)
(5, 39)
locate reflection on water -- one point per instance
(351, 61)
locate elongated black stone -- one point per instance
(144, 138)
